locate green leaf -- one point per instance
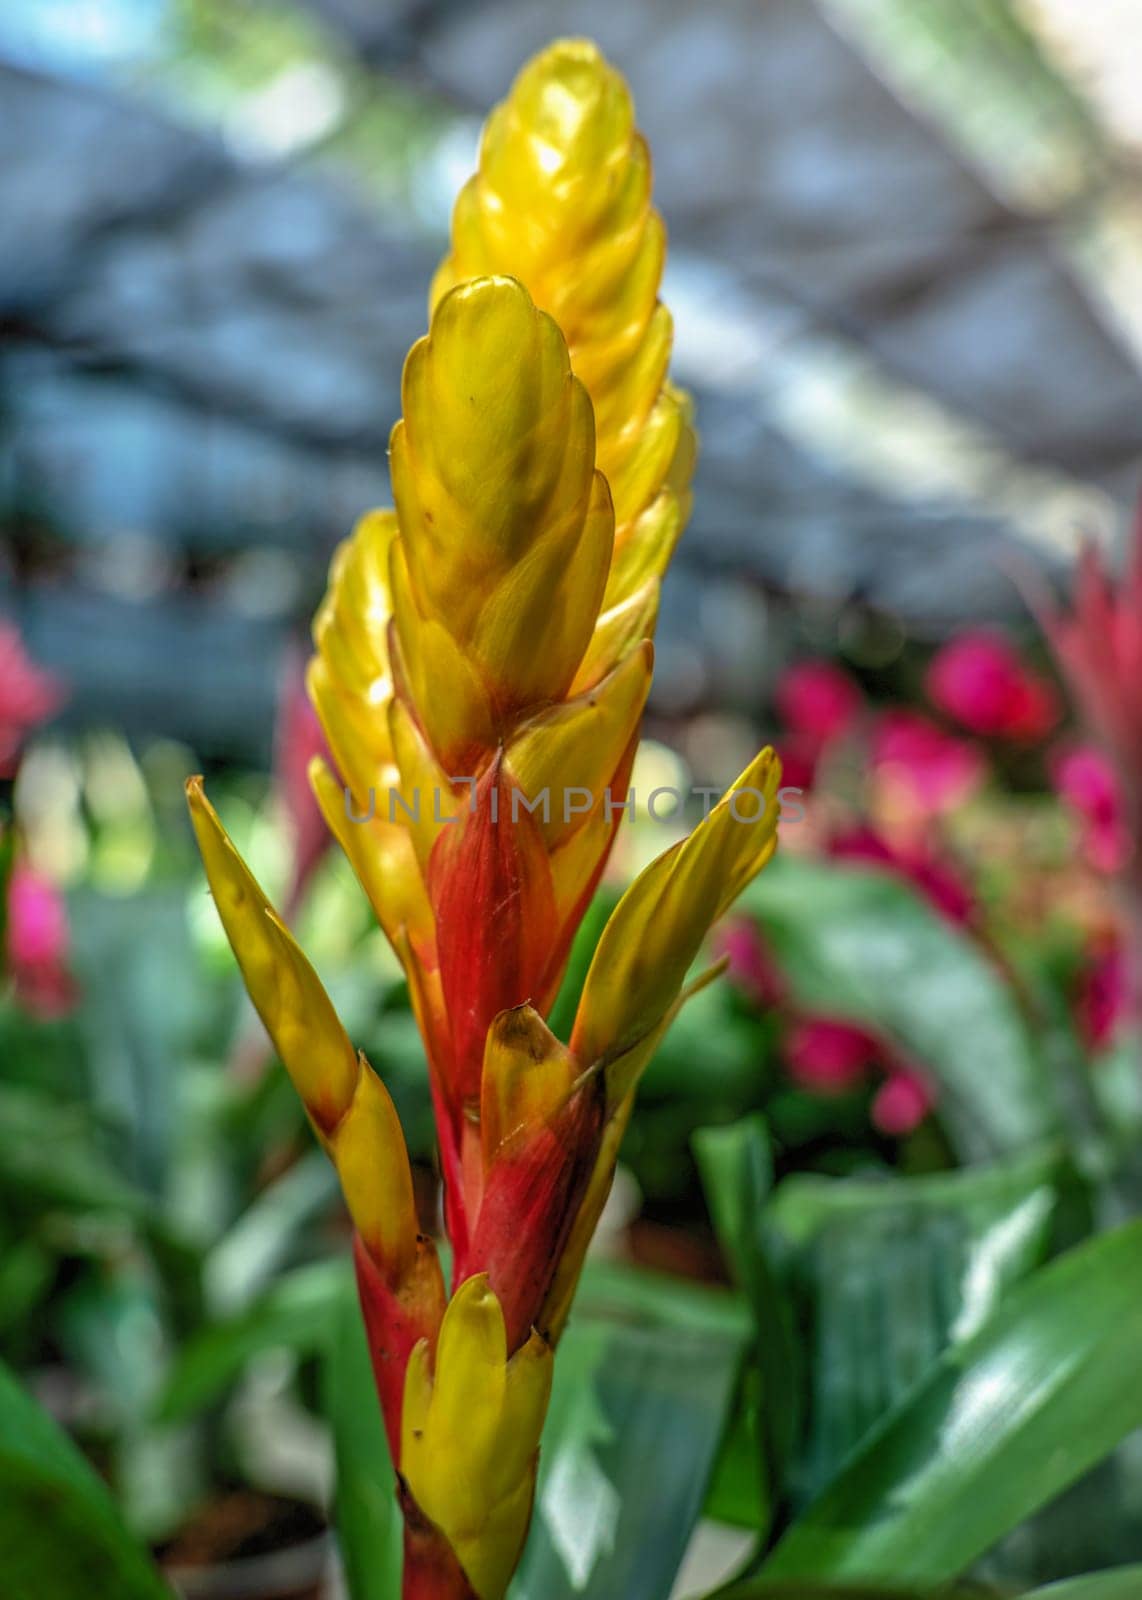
(248, 1257)
(1122, 1583)
(764, 1589)
(643, 1379)
(562, 1015)
(741, 1492)
(7, 860)
(55, 1155)
(737, 1174)
(141, 1001)
(887, 1272)
(112, 1329)
(1002, 1424)
(60, 1533)
(26, 1273)
(298, 1314)
(370, 1530)
(861, 945)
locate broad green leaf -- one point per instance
(887, 1272)
(1002, 1424)
(61, 1535)
(1121, 1583)
(884, 1271)
(861, 945)
(1092, 1527)
(737, 1174)
(368, 1518)
(643, 1379)
(298, 1314)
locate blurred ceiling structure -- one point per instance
(906, 251)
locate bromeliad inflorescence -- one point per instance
(482, 660)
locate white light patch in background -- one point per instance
(296, 108)
(1099, 43)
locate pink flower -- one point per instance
(28, 696)
(297, 739)
(799, 756)
(902, 1102)
(817, 701)
(1088, 783)
(827, 1056)
(1099, 648)
(980, 681)
(37, 943)
(926, 770)
(1102, 1001)
(937, 880)
(749, 963)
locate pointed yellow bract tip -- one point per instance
(350, 1107)
(658, 926)
(470, 1434)
(287, 994)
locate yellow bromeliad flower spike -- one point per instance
(561, 201)
(482, 660)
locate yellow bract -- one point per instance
(505, 526)
(287, 994)
(350, 678)
(578, 745)
(350, 1108)
(658, 926)
(470, 1434)
(528, 1076)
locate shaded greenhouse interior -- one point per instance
(903, 255)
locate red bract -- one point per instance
(925, 770)
(980, 680)
(491, 892)
(28, 696)
(1088, 783)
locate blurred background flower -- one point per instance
(28, 697)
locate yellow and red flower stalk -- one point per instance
(482, 661)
